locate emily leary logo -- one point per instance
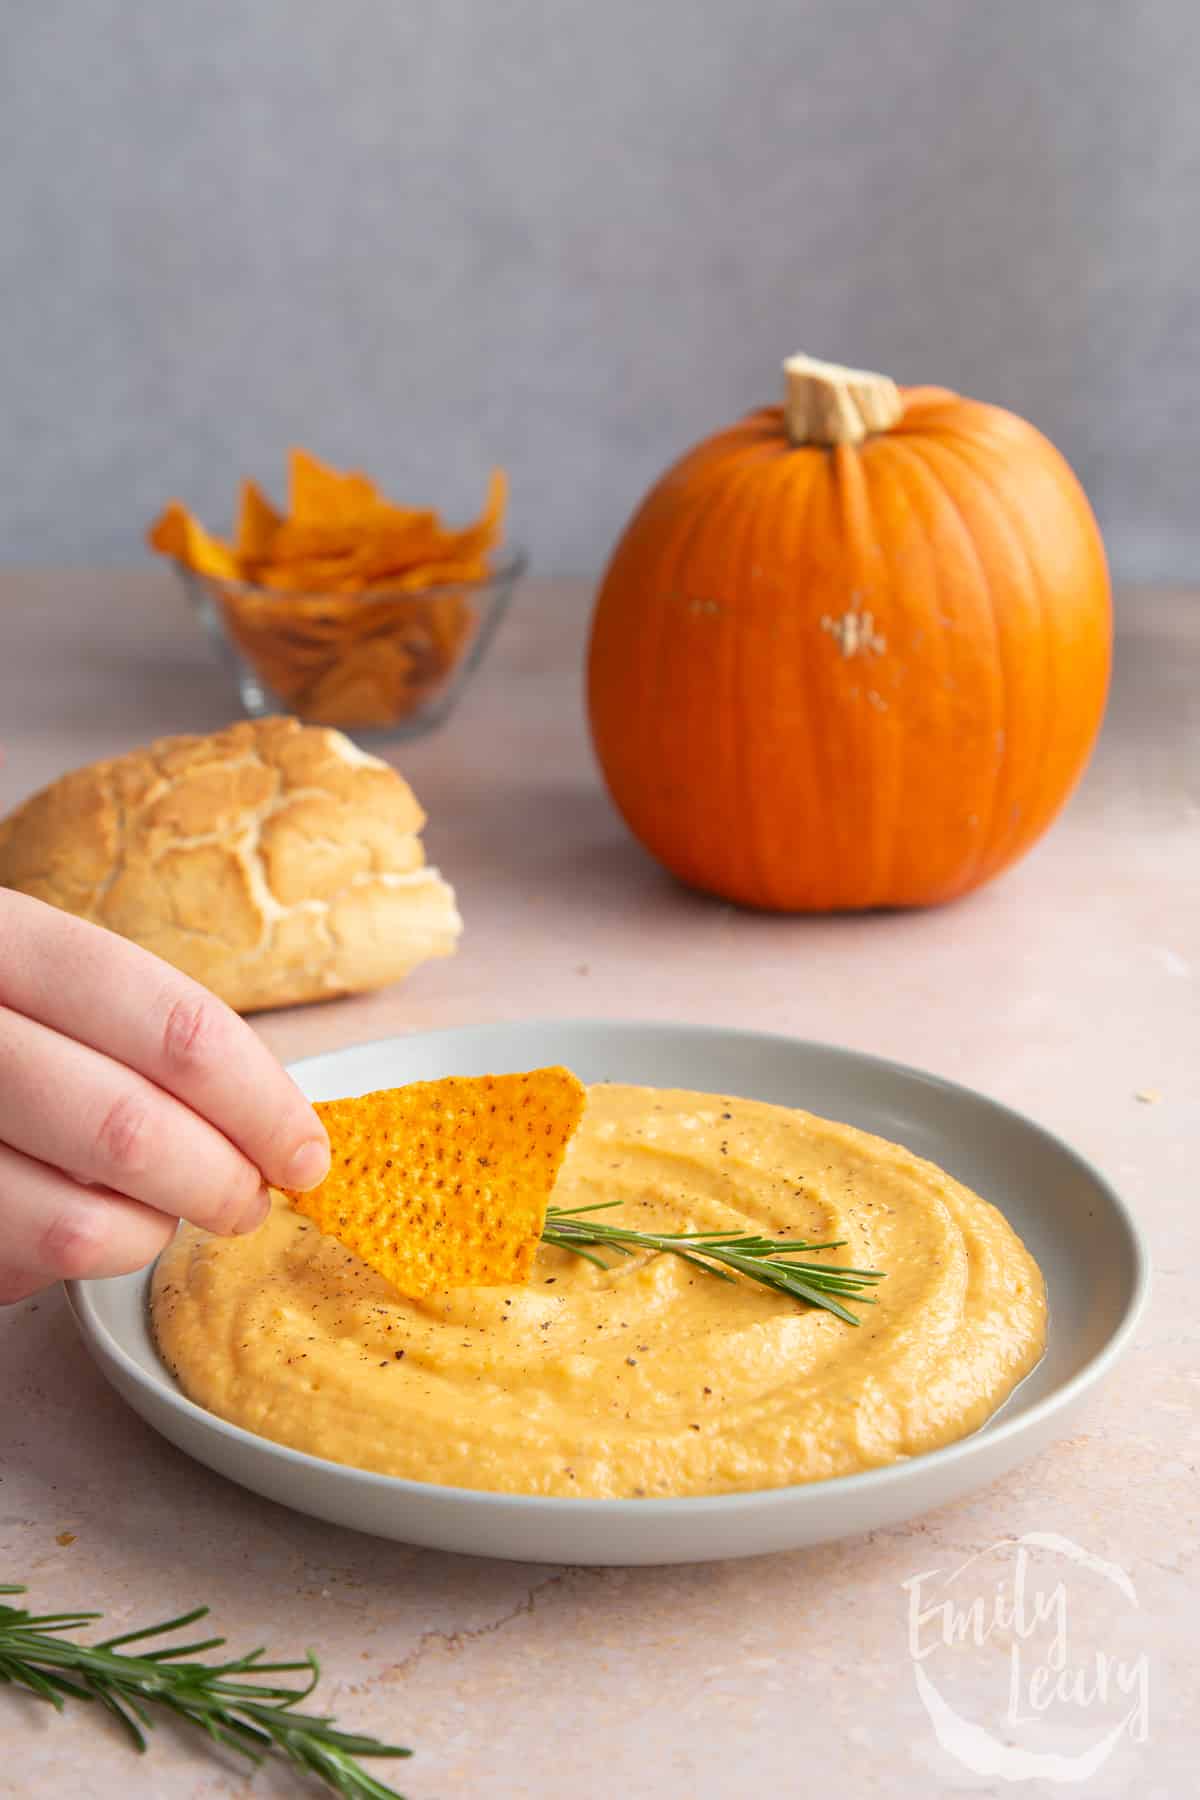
(1058, 1706)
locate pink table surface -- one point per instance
(1068, 989)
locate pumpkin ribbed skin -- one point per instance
(767, 750)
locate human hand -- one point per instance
(130, 1097)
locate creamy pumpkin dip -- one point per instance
(649, 1379)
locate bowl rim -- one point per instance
(162, 1386)
(504, 573)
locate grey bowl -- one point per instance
(1077, 1227)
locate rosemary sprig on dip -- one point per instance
(757, 1258)
(228, 1700)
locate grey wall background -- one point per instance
(574, 237)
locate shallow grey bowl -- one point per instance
(1077, 1227)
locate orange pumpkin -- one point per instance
(853, 651)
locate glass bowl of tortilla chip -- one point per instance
(390, 662)
(346, 608)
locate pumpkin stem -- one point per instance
(827, 404)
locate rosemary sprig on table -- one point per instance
(228, 1700)
(757, 1258)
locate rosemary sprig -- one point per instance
(227, 1700)
(757, 1258)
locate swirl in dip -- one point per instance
(649, 1379)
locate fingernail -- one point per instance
(309, 1164)
(255, 1212)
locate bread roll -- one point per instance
(272, 861)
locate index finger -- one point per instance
(106, 992)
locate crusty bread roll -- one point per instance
(272, 861)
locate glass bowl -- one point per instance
(380, 663)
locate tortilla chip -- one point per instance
(258, 524)
(474, 539)
(176, 533)
(313, 575)
(321, 495)
(445, 1184)
(441, 574)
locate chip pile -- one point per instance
(444, 1184)
(351, 609)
